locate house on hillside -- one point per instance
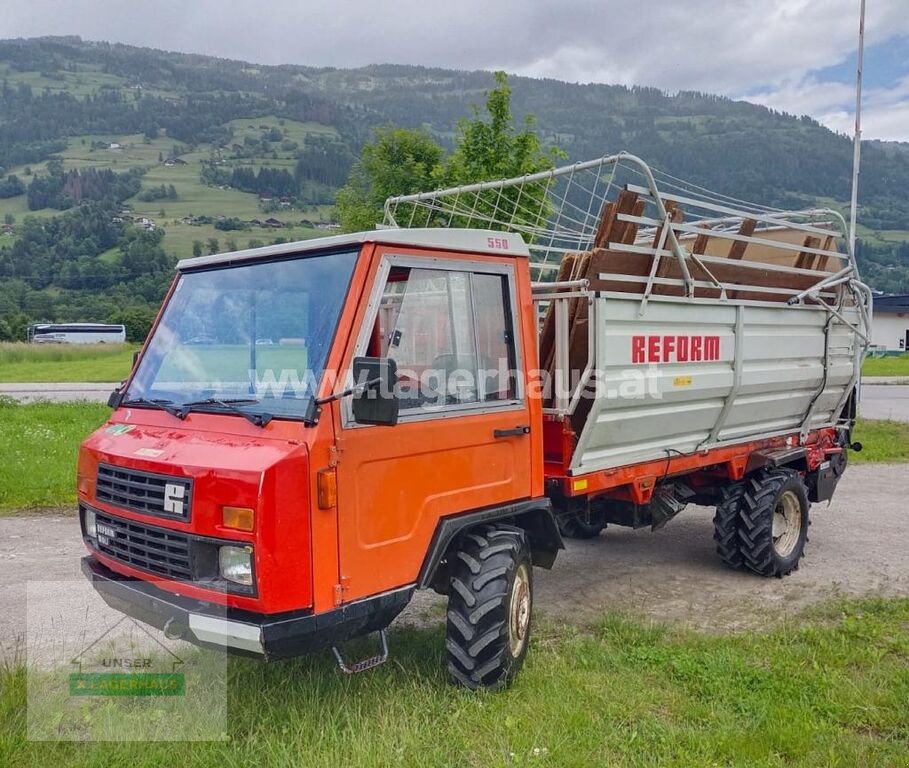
(273, 223)
(114, 145)
(890, 323)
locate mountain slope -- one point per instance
(218, 138)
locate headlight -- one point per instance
(235, 564)
(88, 519)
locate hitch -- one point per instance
(364, 664)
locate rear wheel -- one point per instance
(773, 522)
(726, 525)
(489, 607)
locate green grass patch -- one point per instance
(892, 365)
(831, 690)
(39, 444)
(882, 441)
(64, 362)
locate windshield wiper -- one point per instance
(165, 405)
(230, 404)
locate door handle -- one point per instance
(516, 432)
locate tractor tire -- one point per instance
(490, 600)
(773, 522)
(577, 525)
(726, 525)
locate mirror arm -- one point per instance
(348, 392)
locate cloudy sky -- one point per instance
(793, 55)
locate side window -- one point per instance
(450, 333)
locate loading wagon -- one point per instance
(440, 402)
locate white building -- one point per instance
(890, 323)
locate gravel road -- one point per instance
(858, 546)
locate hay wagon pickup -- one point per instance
(315, 430)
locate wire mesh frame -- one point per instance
(558, 211)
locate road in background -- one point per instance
(879, 401)
(58, 393)
(885, 401)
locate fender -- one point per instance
(535, 516)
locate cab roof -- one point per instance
(469, 240)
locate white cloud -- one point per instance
(885, 111)
(709, 45)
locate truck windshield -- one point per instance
(257, 333)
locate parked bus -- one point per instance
(76, 333)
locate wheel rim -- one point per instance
(787, 523)
(519, 611)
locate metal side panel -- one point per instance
(647, 410)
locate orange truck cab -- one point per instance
(314, 431)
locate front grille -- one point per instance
(144, 492)
(156, 550)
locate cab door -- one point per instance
(463, 438)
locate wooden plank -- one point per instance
(737, 249)
(631, 228)
(547, 332)
(611, 230)
(700, 245)
(822, 260)
(805, 260)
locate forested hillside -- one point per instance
(115, 161)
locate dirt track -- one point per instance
(858, 546)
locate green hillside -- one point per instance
(116, 160)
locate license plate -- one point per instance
(105, 530)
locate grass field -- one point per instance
(47, 436)
(897, 365)
(830, 690)
(882, 441)
(38, 448)
(64, 362)
(193, 197)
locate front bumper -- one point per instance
(242, 632)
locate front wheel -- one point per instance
(490, 601)
(773, 522)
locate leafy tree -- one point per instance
(490, 147)
(213, 245)
(138, 321)
(197, 247)
(398, 161)
(12, 186)
(402, 161)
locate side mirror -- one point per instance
(374, 399)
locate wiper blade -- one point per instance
(230, 404)
(165, 405)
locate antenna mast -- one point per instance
(857, 141)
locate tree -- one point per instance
(213, 245)
(402, 161)
(399, 161)
(138, 321)
(197, 247)
(489, 147)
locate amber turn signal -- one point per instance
(328, 489)
(241, 518)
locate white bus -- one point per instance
(76, 333)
